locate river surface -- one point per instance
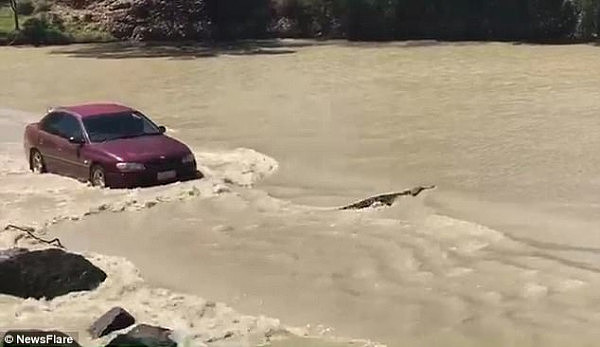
(505, 252)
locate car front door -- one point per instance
(68, 146)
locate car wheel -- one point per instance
(97, 176)
(36, 162)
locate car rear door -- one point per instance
(46, 141)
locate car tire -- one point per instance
(98, 176)
(36, 162)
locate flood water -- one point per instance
(505, 252)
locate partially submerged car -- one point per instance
(109, 145)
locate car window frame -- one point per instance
(79, 136)
(44, 122)
(131, 112)
(57, 132)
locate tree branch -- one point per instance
(13, 7)
(30, 230)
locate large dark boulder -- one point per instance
(144, 335)
(46, 273)
(115, 319)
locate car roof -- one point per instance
(94, 109)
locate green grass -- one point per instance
(71, 32)
(7, 24)
(82, 34)
(88, 36)
(6, 20)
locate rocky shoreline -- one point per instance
(91, 285)
(87, 21)
(101, 300)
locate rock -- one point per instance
(140, 33)
(46, 273)
(77, 4)
(11, 252)
(87, 17)
(286, 27)
(151, 20)
(120, 5)
(57, 338)
(115, 319)
(144, 335)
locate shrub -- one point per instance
(234, 19)
(52, 20)
(78, 4)
(38, 30)
(86, 36)
(25, 7)
(41, 6)
(161, 20)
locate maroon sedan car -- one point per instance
(109, 145)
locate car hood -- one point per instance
(142, 149)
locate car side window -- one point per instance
(147, 127)
(68, 126)
(50, 122)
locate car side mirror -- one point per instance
(76, 140)
(162, 129)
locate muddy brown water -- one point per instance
(503, 253)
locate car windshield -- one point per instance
(108, 127)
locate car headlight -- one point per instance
(129, 167)
(188, 159)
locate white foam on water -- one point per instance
(41, 201)
(241, 166)
(402, 266)
(194, 320)
(413, 275)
